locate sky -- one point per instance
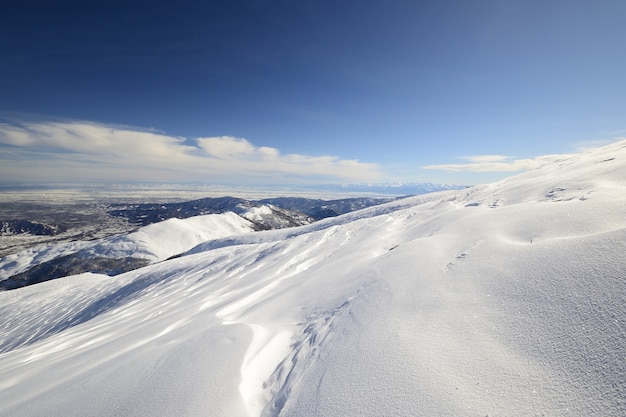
(293, 92)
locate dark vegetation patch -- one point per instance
(72, 265)
(20, 226)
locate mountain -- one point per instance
(187, 225)
(507, 299)
(263, 213)
(319, 209)
(121, 253)
(95, 214)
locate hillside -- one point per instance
(507, 299)
(120, 253)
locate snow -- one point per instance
(155, 242)
(19, 262)
(504, 300)
(159, 241)
(257, 213)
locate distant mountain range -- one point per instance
(397, 189)
(279, 212)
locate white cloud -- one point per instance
(225, 147)
(485, 159)
(270, 162)
(495, 163)
(11, 135)
(83, 151)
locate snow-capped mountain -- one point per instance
(121, 253)
(320, 209)
(162, 238)
(265, 213)
(268, 216)
(507, 299)
(95, 217)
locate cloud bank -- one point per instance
(495, 163)
(85, 151)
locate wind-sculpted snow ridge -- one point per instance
(507, 299)
(310, 337)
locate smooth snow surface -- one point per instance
(501, 300)
(162, 240)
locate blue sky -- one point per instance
(262, 92)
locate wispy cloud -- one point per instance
(85, 151)
(494, 163)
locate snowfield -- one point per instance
(501, 300)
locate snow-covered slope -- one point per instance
(159, 241)
(502, 300)
(152, 243)
(268, 216)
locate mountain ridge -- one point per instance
(52, 261)
(502, 299)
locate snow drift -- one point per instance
(504, 300)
